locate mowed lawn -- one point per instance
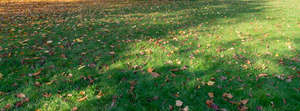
(204, 55)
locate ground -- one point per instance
(159, 55)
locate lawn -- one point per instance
(200, 55)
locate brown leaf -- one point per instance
(211, 95)
(7, 106)
(209, 102)
(245, 101)
(262, 75)
(47, 95)
(228, 95)
(82, 99)
(243, 108)
(75, 108)
(37, 73)
(1, 76)
(21, 95)
(154, 74)
(99, 95)
(179, 103)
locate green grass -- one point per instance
(109, 49)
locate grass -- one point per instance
(100, 55)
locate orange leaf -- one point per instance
(149, 69)
(82, 99)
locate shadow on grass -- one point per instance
(108, 34)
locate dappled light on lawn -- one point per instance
(149, 55)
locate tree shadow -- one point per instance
(106, 40)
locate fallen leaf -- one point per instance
(186, 108)
(210, 83)
(99, 95)
(263, 75)
(179, 103)
(20, 103)
(243, 108)
(78, 40)
(1, 75)
(47, 95)
(37, 73)
(211, 104)
(211, 95)
(69, 95)
(82, 92)
(82, 99)
(245, 101)
(154, 74)
(38, 84)
(149, 69)
(75, 108)
(21, 95)
(228, 95)
(7, 106)
(112, 53)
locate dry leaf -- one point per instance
(21, 95)
(211, 95)
(179, 103)
(228, 95)
(78, 40)
(82, 93)
(69, 95)
(210, 83)
(154, 74)
(174, 70)
(149, 69)
(1, 75)
(47, 95)
(74, 108)
(243, 108)
(37, 73)
(112, 53)
(82, 99)
(99, 95)
(186, 108)
(263, 75)
(245, 101)
(209, 102)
